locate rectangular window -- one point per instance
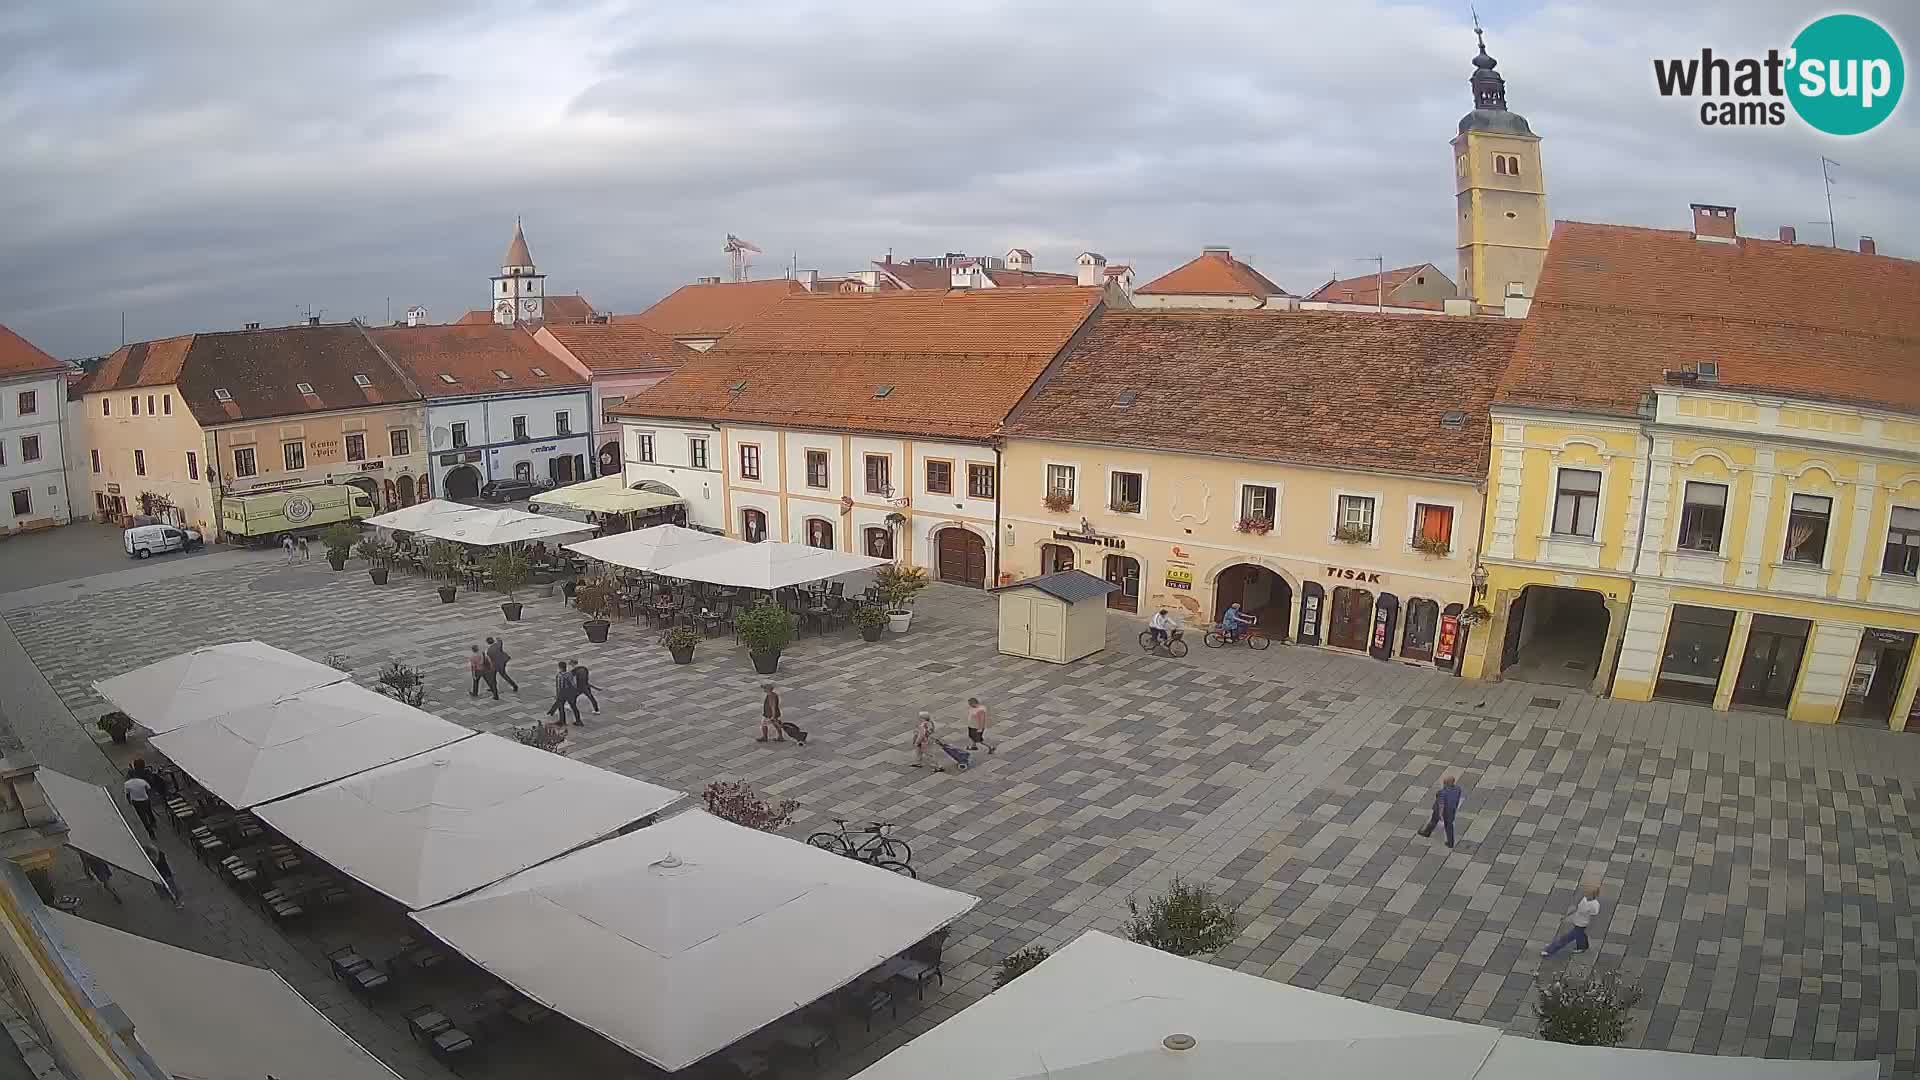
(193, 465)
(140, 463)
(96, 459)
(939, 477)
(697, 453)
(1807, 529)
(106, 407)
(561, 424)
(1703, 516)
(879, 475)
(243, 463)
(1060, 483)
(459, 435)
(1125, 492)
(397, 439)
(981, 482)
(1696, 651)
(749, 462)
(150, 409)
(1576, 505)
(1356, 518)
(1903, 543)
(519, 429)
(166, 404)
(817, 469)
(30, 448)
(607, 405)
(356, 446)
(135, 406)
(646, 446)
(29, 403)
(1432, 527)
(22, 501)
(1258, 501)
(295, 454)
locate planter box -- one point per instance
(596, 630)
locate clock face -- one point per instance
(530, 306)
(504, 308)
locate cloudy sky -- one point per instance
(201, 164)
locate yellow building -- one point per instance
(1705, 475)
(173, 425)
(1500, 194)
(1320, 469)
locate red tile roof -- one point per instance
(1319, 388)
(1027, 279)
(1366, 290)
(470, 355)
(143, 363)
(18, 356)
(1213, 273)
(713, 310)
(617, 347)
(1618, 306)
(564, 308)
(955, 361)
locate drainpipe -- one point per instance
(997, 479)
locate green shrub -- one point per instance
(680, 637)
(900, 584)
(403, 684)
(376, 551)
(869, 615)
(1019, 964)
(1183, 922)
(736, 801)
(1586, 1009)
(507, 568)
(540, 736)
(764, 628)
(339, 539)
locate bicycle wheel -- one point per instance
(898, 868)
(1214, 639)
(1177, 647)
(1257, 640)
(1146, 640)
(827, 841)
(891, 850)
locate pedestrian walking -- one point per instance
(585, 685)
(565, 692)
(923, 738)
(770, 715)
(100, 872)
(306, 553)
(1446, 804)
(286, 545)
(172, 889)
(977, 725)
(497, 656)
(140, 794)
(155, 784)
(1578, 920)
(481, 669)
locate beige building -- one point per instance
(1500, 197)
(1186, 458)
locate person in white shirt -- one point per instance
(1162, 627)
(1579, 919)
(140, 794)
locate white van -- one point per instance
(142, 541)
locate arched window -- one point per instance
(1513, 166)
(878, 542)
(820, 533)
(753, 526)
(1500, 164)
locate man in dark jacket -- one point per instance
(497, 655)
(586, 687)
(1446, 803)
(565, 692)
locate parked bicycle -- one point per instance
(1175, 645)
(870, 845)
(1217, 638)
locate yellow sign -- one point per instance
(1179, 579)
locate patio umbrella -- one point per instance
(770, 565)
(653, 548)
(94, 824)
(208, 681)
(421, 515)
(490, 528)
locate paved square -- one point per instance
(1759, 879)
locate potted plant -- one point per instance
(680, 641)
(765, 629)
(379, 556)
(1122, 506)
(1432, 546)
(1255, 524)
(444, 557)
(871, 620)
(594, 597)
(1478, 613)
(1058, 501)
(1353, 534)
(116, 724)
(339, 540)
(898, 586)
(507, 566)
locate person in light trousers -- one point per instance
(1578, 920)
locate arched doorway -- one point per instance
(820, 533)
(878, 541)
(406, 490)
(462, 482)
(1055, 558)
(962, 557)
(1350, 622)
(1555, 635)
(609, 458)
(1423, 629)
(1123, 571)
(753, 526)
(1260, 593)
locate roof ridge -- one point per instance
(1731, 320)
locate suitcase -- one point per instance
(962, 758)
(793, 732)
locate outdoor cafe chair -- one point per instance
(356, 970)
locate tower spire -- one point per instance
(1489, 89)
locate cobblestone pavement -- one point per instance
(1759, 877)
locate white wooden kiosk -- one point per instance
(1058, 617)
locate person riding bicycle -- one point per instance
(1161, 626)
(1231, 622)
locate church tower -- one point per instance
(1500, 195)
(517, 288)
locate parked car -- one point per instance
(501, 491)
(144, 541)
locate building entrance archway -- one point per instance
(1555, 635)
(405, 488)
(609, 458)
(1055, 558)
(962, 557)
(1260, 593)
(462, 482)
(1124, 572)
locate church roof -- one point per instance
(517, 253)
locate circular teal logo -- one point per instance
(1847, 74)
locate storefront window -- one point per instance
(1697, 642)
(1879, 669)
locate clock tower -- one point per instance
(518, 288)
(1500, 196)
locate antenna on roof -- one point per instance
(1826, 174)
(1379, 280)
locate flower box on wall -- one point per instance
(1058, 501)
(1259, 526)
(1433, 546)
(1353, 534)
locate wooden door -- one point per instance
(1124, 573)
(1350, 625)
(1016, 622)
(963, 558)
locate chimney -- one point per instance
(1866, 245)
(810, 279)
(707, 280)
(253, 326)
(1093, 268)
(1221, 251)
(313, 320)
(1713, 223)
(1787, 235)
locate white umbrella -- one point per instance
(421, 515)
(94, 824)
(212, 680)
(489, 528)
(769, 565)
(653, 548)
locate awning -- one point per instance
(769, 565)
(487, 528)
(94, 824)
(465, 815)
(212, 680)
(606, 495)
(652, 548)
(200, 1016)
(677, 940)
(421, 515)
(261, 752)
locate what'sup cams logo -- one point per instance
(1842, 75)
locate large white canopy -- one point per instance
(201, 1016)
(488, 528)
(94, 824)
(261, 752)
(678, 939)
(769, 565)
(1103, 1009)
(605, 495)
(653, 548)
(465, 815)
(422, 515)
(212, 680)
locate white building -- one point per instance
(33, 409)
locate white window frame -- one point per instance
(1886, 544)
(1240, 500)
(286, 454)
(563, 422)
(1599, 506)
(759, 462)
(806, 468)
(253, 458)
(1414, 503)
(866, 488)
(645, 447)
(703, 444)
(1046, 479)
(1786, 526)
(347, 441)
(394, 448)
(1373, 537)
(1142, 474)
(993, 472)
(1680, 518)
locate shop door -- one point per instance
(1771, 664)
(1350, 623)
(1055, 558)
(1125, 573)
(963, 558)
(1423, 626)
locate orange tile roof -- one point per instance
(1322, 388)
(1027, 279)
(914, 276)
(471, 354)
(1213, 273)
(18, 356)
(564, 308)
(713, 310)
(614, 347)
(956, 361)
(1618, 306)
(260, 372)
(143, 363)
(1366, 290)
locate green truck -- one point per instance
(266, 517)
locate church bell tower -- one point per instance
(518, 288)
(1500, 195)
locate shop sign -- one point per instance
(1449, 637)
(547, 449)
(1178, 578)
(1344, 574)
(473, 455)
(324, 449)
(1310, 616)
(1090, 538)
(372, 466)
(113, 489)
